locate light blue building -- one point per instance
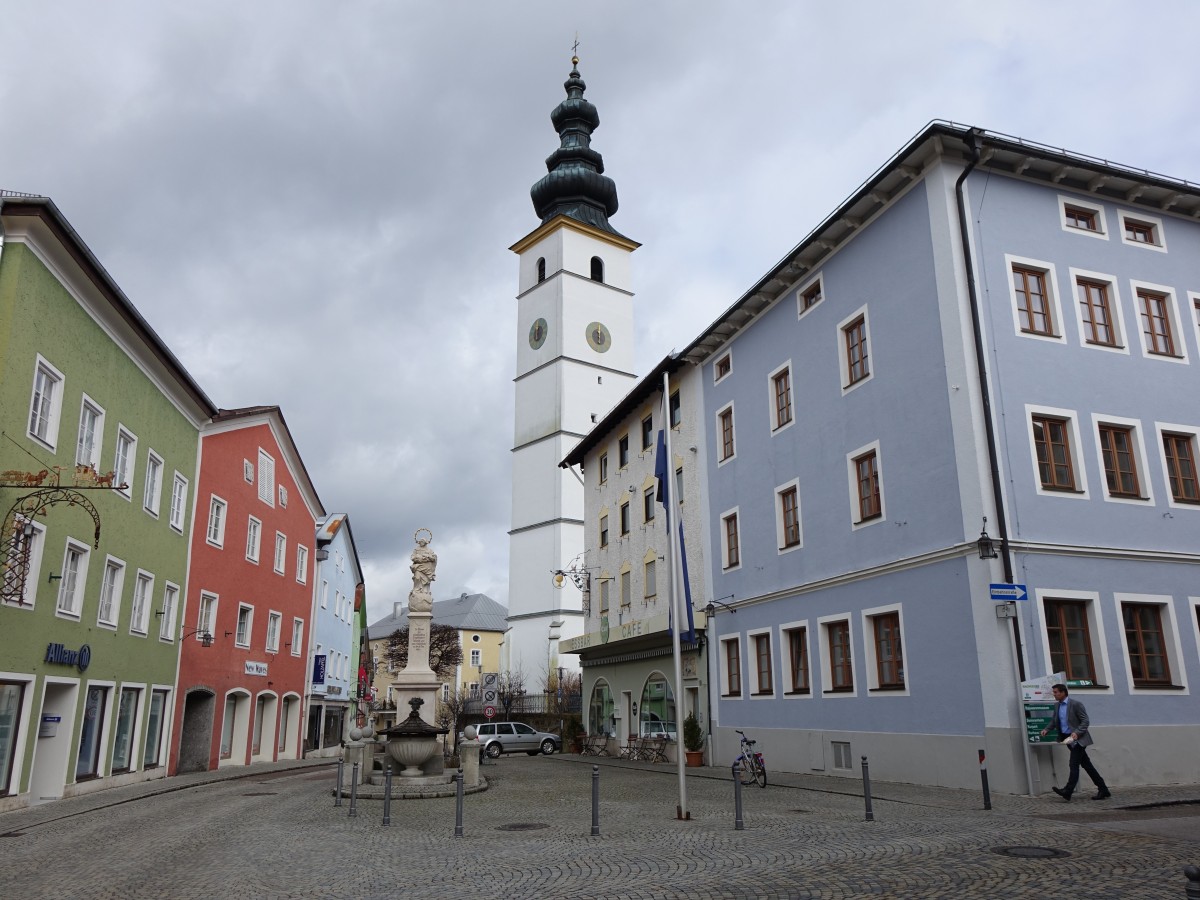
(986, 328)
(337, 635)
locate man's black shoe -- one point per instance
(1102, 795)
(1062, 793)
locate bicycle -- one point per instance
(749, 765)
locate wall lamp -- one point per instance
(985, 545)
(206, 638)
(713, 604)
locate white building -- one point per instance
(574, 362)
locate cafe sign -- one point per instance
(61, 656)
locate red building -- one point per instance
(249, 596)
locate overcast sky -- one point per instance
(312, 201)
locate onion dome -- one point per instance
(575, 185)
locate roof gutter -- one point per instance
(974, 139)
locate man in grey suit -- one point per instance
(1071, 723)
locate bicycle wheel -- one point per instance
(760, 772)
(746, 770)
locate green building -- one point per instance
(98, 455)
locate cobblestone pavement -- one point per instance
(275, 833)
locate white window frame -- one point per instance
(297, 645)
(1071, 417)
(274, 620)
(1101, 219)
(725, 566)
(324, 594)
(248, 471)
(785, 654)
(266, 477)
(239, 639)
(114, 600)
(170, 611)
(779, 525)
(1142, 461)
(870, 656)
(253, 539)
(1194, 306)
(719, 440)
(93, 457)
(1095, 632)
(476, 657)
(823, 623)
(844, 357)
(57, 381)
(806, 287)
(152, 492)
(723, 665)
(140, 603)
(78, 584)
(280, 553)
(1116, 309)
(37, 543)
(1160, 243)
(179, 490)
(283, 496)
(728, 354)
(126, 477)
(650, 575)
(771, 691)
(1054, 299)
(1171, 428)
(301, 564)
(852, 474)
(772, 406)
(1177, 330)
(206, 624)
(218, 511)
(1171, 640)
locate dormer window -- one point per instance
(597, 269)
(541, 269)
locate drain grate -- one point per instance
(260, 794)
(1031, 852)
(522, 826)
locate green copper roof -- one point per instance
(575, 185)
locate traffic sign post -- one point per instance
(1003, 592)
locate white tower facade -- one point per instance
(574, 363)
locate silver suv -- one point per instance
(513, 737)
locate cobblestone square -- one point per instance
(275, 833)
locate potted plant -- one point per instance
(693, 741)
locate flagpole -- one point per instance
(675, 575)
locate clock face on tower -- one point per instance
(537, 333)
(598, 337)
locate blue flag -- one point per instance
(662, 471)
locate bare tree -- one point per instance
(510, 687)
(451, 709)
(445, 651)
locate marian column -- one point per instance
(417, 679)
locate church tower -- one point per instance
(574, 363)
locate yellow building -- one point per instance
(479, 621)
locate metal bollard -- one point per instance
(867, 790)
(1192, 873)
(738, 823)
(595, 800)
(337, 795)
(987, 794)
(354, 791)
(458, 804)
(387, 797)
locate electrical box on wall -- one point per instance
(1006, 610)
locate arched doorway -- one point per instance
(195, 741)
(656, 711)
(600, 710)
